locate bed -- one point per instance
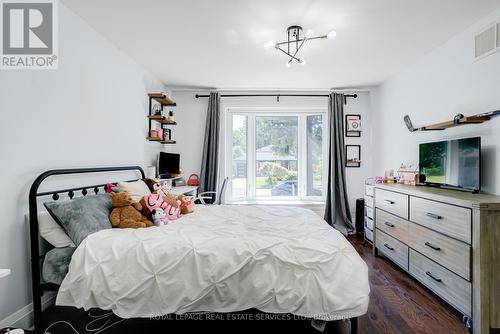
(221, 258)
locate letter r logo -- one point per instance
(27, 28)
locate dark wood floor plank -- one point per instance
(400, 304)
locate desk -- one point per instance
(185, 190)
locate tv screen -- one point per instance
(455, 163)
(168, 163)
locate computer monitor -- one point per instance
(168, 164)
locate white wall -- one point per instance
(191, 114)
(89, 112)
(355, 177)
(445, 82)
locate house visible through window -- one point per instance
(276, 155)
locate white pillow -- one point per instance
(137, 189)
(51, 231)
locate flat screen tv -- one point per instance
(168, 164)
(452, 163)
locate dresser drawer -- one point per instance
(392, 202)
(392, 248)
(369, 201)
(448, 252)
(368, 234)
(369, 212)
(369, 190)
(392, 225)
(369, 223)
(452, 288)
(448, 219)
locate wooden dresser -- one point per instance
(449, 241)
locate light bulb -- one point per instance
(303, 62)
(309, 32)
(288, 64)
(331, 34)
(269, 44)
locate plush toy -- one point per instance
(112, 187)
(159, 217)
(167, 203)
(186, 204)
(157, 187)
(126, 213)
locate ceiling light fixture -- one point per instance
(294, 43)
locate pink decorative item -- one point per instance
(159, 217)
(159, 133)
(157, 201)
(111, 187)
(378, 179)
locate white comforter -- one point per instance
(221, 259)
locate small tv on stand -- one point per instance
(453, 164)
(168, 165)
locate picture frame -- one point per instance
(353, 125)
(353, 156)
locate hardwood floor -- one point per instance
(399, 304)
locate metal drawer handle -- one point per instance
(433, 215)
(389, 247)
(389, 224)
(428, 244)
(428, 273)
(389, 201)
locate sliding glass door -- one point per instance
(275, 155)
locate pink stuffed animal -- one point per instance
(156, 201)
(159, 217)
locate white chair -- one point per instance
(212, 195)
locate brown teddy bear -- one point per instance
(126, 213)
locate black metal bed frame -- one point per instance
(38, 287)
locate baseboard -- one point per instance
(23, 318)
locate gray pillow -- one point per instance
(56, 264)
(82, 216)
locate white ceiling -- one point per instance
(216, 43)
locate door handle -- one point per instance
(433, 215)
(389, 201)
(428, 244)
(428, 273)
(389, 224)
(389, 247)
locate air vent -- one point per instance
(485, 42)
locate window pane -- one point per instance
(239, 157)
(276, 156)
(315, 155)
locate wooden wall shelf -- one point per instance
(162, 141)
(162, 120)
(162, 99)
(459, 120)
(462, 121)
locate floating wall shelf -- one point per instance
(162, 99)
(457, 121)
(163, 121)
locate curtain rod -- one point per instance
(277, 95)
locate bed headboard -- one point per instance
(34, 195)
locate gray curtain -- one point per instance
(337, 211)
(209, 163)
